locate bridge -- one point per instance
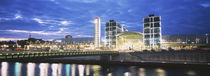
(35, 55)
(107, 57)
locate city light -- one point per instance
(104, 37)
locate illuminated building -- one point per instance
(97, 32)
(181, 41)
(152, 32)
(84, 40)
(112, 29)
(129, 40)
(185, 39)
(68, 36)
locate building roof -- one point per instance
(129, 33)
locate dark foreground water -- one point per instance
(59, 69)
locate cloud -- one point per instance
(8, 39)
(83, 36)
(18, 16)
(15, 17)
(53, 22)
(38, 20)
(205, 5)
(60, 31)
(65, 22)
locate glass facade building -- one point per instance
(129, 41)
(112, 29)
(152, 32)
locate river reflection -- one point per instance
(142, 72)
(59, 69)
(4, 68)
(30, 69)
(43, 69)
(18, 69)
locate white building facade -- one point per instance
(152, 35)
(97, 32)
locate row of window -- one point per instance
(156, 41)
(157, 30)
(113, 28)
(152, 25)
(151, 19)
(113, 37)
(113, 25)
(155, 36)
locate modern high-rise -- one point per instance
(112, 29)
(152, 32)
(97, 32)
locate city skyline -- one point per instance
(51, 19)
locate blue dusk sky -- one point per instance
(51, 19)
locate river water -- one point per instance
(59, 69)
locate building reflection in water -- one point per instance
(81, 70)
(73, 70)
(142, 72)
(18, 69)
(43, 69)
(109, 74)
(160, 72)
(30, 69)
(68, 70)
(96, 70)
(4, 69)
(191, 73)
(56, 69)
(87, 70)
(127, 74)
(59, 69)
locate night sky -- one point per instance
(51, 19)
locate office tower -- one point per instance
(152, 32)
(97, 32)
(112, 29)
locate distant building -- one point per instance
(112, 29)
(68, 36)
(85, 40)
(152, 32)
(186, 39)
(97, 32)
(73, 43)
(182, 41)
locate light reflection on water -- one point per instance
(58, 69)
(87, 70)
(160, 72)
(142, 72)
(43, 69)
(127, 74)
(18, 69)
(4, 69)
(81, 70)
(30, 69)
(73, 70)
(68, 69)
